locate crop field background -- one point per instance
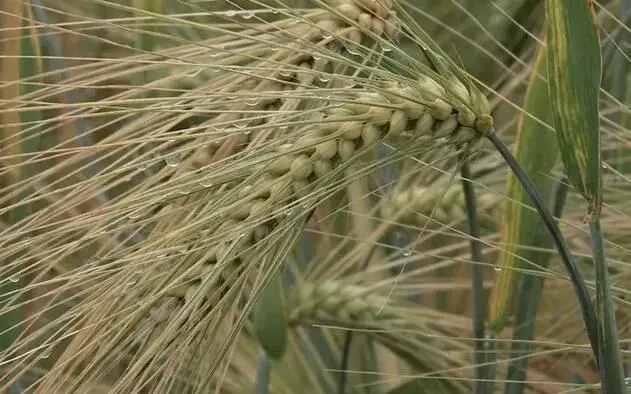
(315, 196)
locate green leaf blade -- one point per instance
(574, 69)
(537, 150)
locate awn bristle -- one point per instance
(255, 203)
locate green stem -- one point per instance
(611, 372)
(585, 302)
(262, 374)
(529, 293)
(482, 377)
(348, 338)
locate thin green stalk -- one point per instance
(587, 308)
(348, 338)
(482, 377)
(529, 293)
(611, 372)
(262, 374)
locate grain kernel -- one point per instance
(345, 149)
(301, 168)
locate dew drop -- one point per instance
(327, 36)
(386, 46)
(324, 78)
(406, 252)
(134, 214)
(172, 160)
(143, 165)
(247, 15)
(252, 101)
(352, 49)
(194, 73)
(231, 13)
(497, 268)
(14, 278)
(184, 192)
(284, 73)
(205, 184)
(46, 352)
(274, 11)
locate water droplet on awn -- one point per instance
(172, 160)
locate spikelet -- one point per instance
(415, 204)
(335, 298)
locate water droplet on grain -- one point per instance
(497, 268)
(406, 252)
(274, 11)
(14, 278)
